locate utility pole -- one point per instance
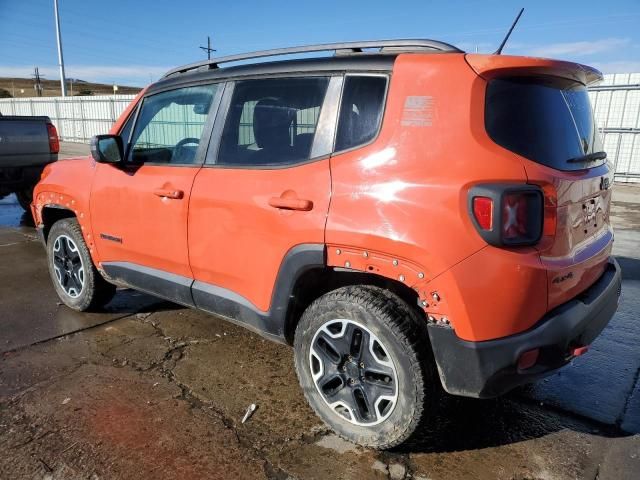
(208, 48)
(63, 83)
(38, 84)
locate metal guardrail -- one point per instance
(611, 88)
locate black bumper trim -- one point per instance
(489, 368)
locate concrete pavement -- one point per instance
(148, 389)
(71, 150)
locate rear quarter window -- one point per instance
(361, 110)
(546, 119)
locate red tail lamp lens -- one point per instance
(54, 142)
(483, 212)
(515, 216)
(528, 359)
(550, 211)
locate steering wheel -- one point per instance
(177, 153)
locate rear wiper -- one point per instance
(589, 157)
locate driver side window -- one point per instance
(170, 125)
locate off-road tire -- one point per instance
(402, 333)
(25, 197)
(96, 291)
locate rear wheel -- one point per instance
(362, 357)
(76, 280)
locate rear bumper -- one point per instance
(489, 368)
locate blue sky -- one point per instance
(133, 42)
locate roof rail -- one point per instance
(339, 48)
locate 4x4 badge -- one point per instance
(562, 278)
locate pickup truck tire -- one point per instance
(25, 197)
(75, 278)
(363, 359)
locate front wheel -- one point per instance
(362, 358)
(76, 280)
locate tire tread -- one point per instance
(99, 291)
(408, 329)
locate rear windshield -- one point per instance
(546, 119)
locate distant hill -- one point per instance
(24, 87)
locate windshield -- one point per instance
(546, 119)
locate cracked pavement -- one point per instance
(149, 389)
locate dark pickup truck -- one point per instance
(27, 144)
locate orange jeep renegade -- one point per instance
(404, 214)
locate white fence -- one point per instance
(77, 119)
(616, 102)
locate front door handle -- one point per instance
(289, 201)
(168, 193)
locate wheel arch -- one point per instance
(303, 277)
(317, 281)
(52, 213)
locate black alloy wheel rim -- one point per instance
(67, 265)
(353, 372)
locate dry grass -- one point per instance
(24, 87)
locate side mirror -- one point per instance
(107, 149)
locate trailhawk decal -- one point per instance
(111, 238)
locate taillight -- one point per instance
(521, 217)
(54, 142)
(550, 210)
(483, 212)
(507, 215)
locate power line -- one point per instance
(208, 48)
(38, 84)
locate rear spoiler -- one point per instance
(490, 66)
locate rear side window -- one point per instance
(361, 110)
(272, 121)
(170, 125)
(546, 119)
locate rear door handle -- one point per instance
(167, 193)
(287, 203)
